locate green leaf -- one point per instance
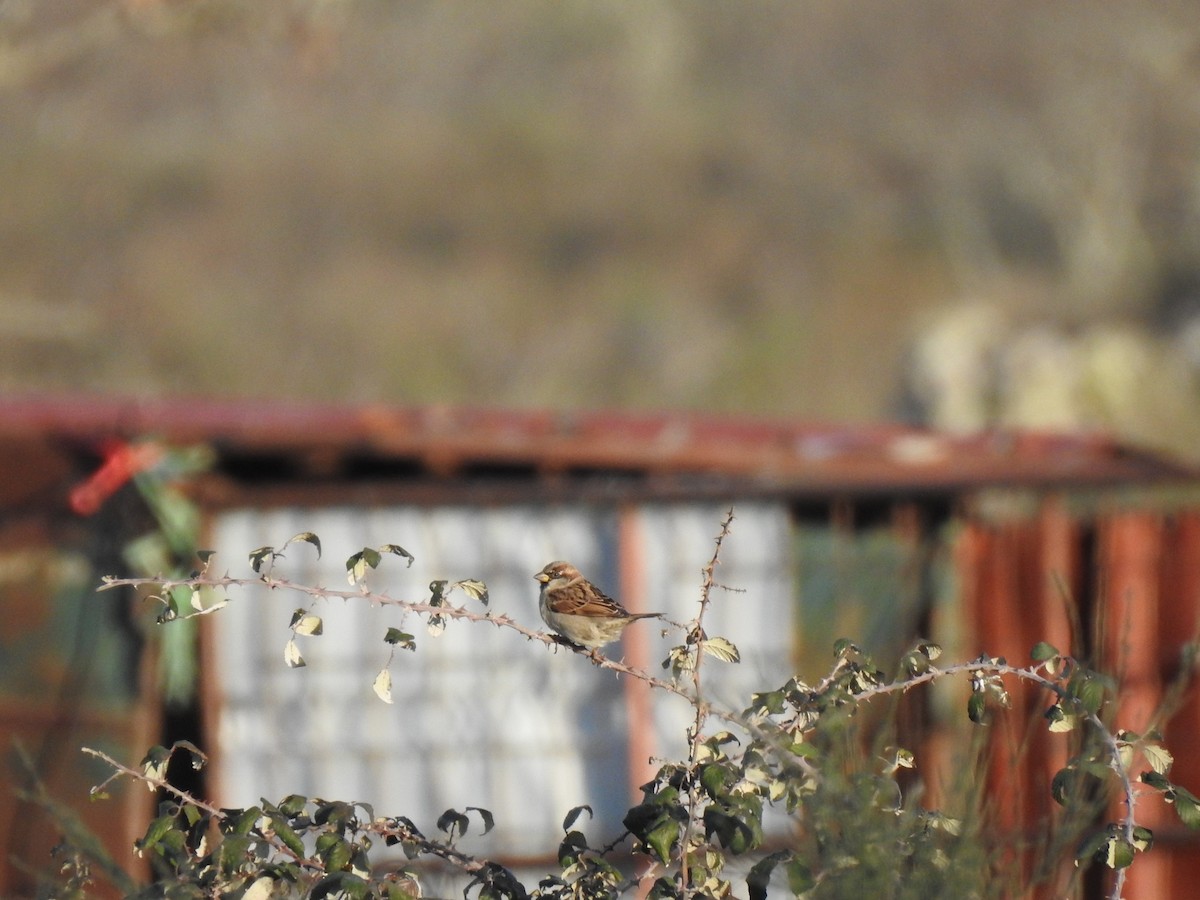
(899, 758)
(259, 556)
(383, 685)
(844, 647)
(662, 838)
(1043, 651)
(290, 839)
(713, 778)
(157, 830)
(234, 851)
(1119, 853)
(402, 639)
(452, 821)
(170, 611)
(759, 875)
(402, 885)
(244, 820)
(154, 763)
(734, 833)
(343, 885)
(929, 650)
(679, 660)
(219, 604)
(945, 823)
(571, 846)
(915, 663)
(1092, 846)
(488, 821)
(770, 702)
(1061, 721)
(356, 568)
(977, 707)
(473, 588)
(293, 805)
(1156, 780)
(655, 822)
(397, 550)
(333, 850)
(291, 655)
(1187, 807)
(1091, 694)
(358, 564)
(1090, 689)
(194, 600)
(574, 814)
(309, 538)
(719, 648)
(1070, 785)
(306, 623)
(1159, 758)
(721, 738)
(800, 878)
(192, 813)
(337, 814)
(805, 749)
(663, 889)
(1143, 838)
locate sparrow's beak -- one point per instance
(542, 577)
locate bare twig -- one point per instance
(150, 781)
(696, 638)
(225, 582)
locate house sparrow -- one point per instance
(578, 610)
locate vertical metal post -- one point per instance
(1131, 553)
(635, 644)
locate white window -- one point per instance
(482, 717)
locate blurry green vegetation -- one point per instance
(715, 205)
(867, 581)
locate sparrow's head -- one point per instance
(557, 570)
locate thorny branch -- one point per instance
(161, 784)
(225, 582)
(696, 638)
(401, 830)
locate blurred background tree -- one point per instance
(765, 207)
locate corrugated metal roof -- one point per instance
(341, 443)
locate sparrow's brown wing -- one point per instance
(582, 598)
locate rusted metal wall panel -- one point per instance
(69, 677)
(1130, 553)
(1127, 602)
(1178, 623)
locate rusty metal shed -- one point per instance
(1039, 533)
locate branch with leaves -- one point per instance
(183, 598)
(790, 750)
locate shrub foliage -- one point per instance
(799, 793)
